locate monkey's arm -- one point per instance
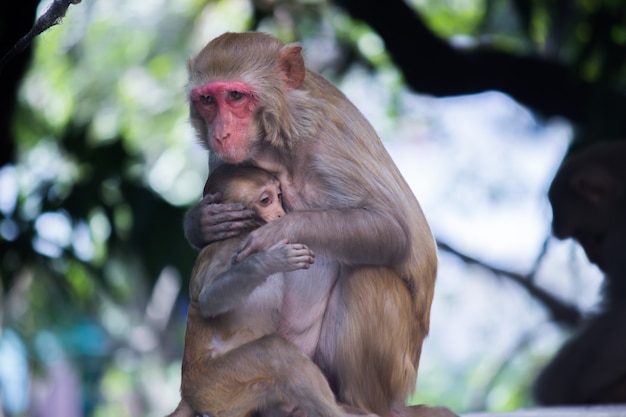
(357, 236)
(234, 284)
(208, 221)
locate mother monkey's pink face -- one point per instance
(223, 103)
(226, 109)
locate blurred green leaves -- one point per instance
(91, 209)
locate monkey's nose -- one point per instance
(222, 138)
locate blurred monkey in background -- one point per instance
(588, 201)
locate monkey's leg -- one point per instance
(268, 374)
(378, 343)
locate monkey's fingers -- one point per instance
(225, 224)
(304, 262)
(304, 253)
(300, 257)
(295, 263)
(280, 244)
(219, 213)
(222, 235)
(211, 199)
(214, 233)
(300, 265)
(298, 246)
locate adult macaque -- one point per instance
(234, 363)
(589, 204)
(252, 100)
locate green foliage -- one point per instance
(107, 165)
(452, 17)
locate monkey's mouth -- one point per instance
(231, 155)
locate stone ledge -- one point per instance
(578, 411)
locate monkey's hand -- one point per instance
(285, 257)
(229, 288)
(259, 242)
(352, 236)
(209, 221)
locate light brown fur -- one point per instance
(234, 363)
(345, 199)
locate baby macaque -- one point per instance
(234, 363)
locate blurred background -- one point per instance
(477, 101)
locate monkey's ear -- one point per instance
(596, 184)
(291, 65)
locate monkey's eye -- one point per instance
(207, 99)
(235, 95)
(264, 201)
(280, 197)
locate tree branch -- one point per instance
(51, 17)
(559, 310)
(431, 66)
